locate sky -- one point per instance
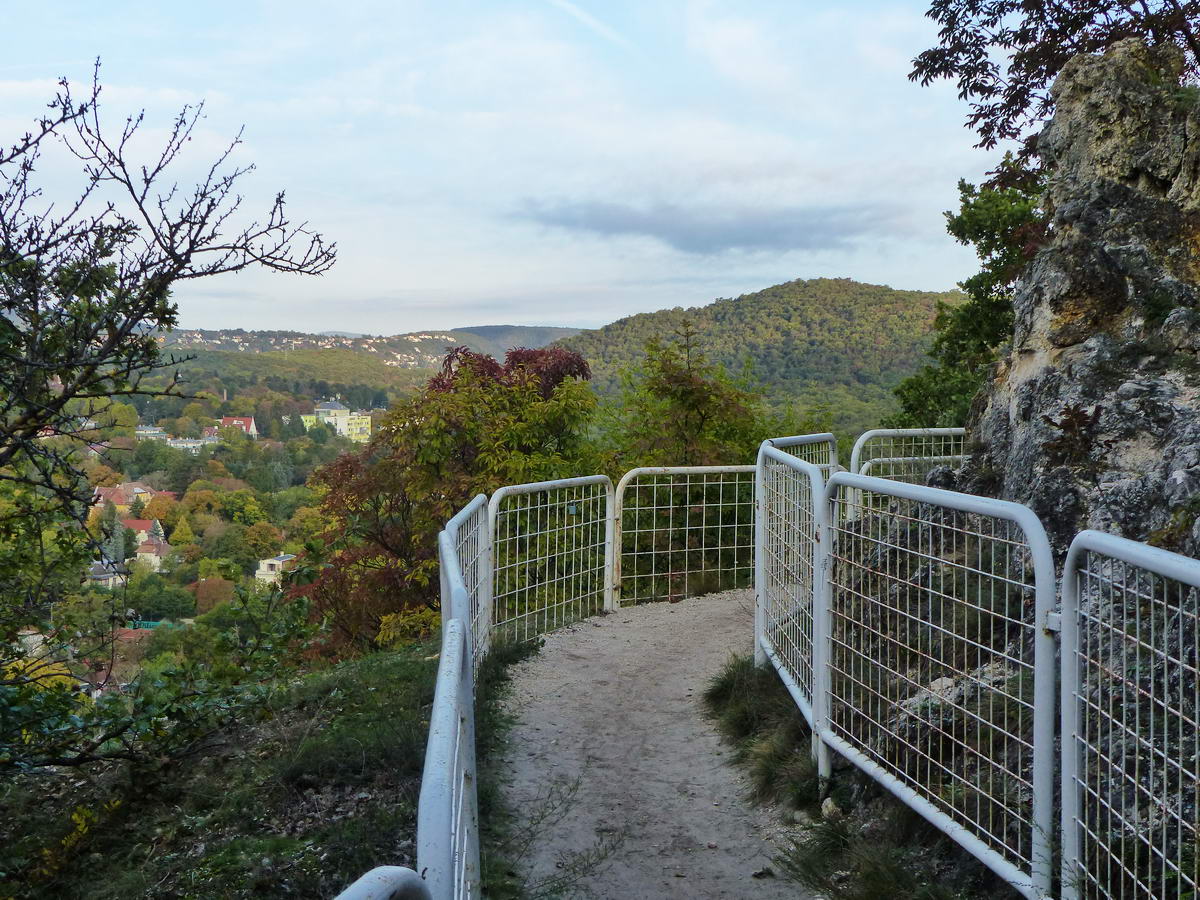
(555, 162)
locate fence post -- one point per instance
(486, 613)
(822, 593)
(1069, 752)
(618, 539)
(611, 552)
(1045, 714)
(760, 581)
(472, 871)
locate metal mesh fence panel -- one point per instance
(789, 535)
(907, 454)
(468, 533)
(818, 449)
(551, 546)
(685, 531)
(447, 818)
(932, 629)
(1131, 699)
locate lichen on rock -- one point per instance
(1093, 415)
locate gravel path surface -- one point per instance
(610, 709)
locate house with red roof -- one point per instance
(122, 495)
(245, 423)
(145, 529)
(152, 552)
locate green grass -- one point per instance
(754, 711)
(501, 880)
(878, 849)
(319, 788)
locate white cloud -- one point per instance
(591, 22)
(415, 132)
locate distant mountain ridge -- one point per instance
(826, 342)
(414, 350)
(829, 343)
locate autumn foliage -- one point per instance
(477, 425)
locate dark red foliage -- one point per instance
(463, 359)
(389, 565)
(549, 365)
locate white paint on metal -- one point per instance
(933, 586)
(1130, 733)
(552, 554)
(388, 883)
(914, 445)
(683, 529)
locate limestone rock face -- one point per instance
(1093, 417)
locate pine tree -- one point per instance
(182, 533)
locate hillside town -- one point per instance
(189, 509)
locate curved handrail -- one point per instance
(866, 437)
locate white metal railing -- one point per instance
(906, 454)
(552, 554)
(1131, 739)
(448, 807)
(933, 600)
(788, 533)
(684, 531)
(916, 630)
(388, 883)
(818, 449)
(468, 535)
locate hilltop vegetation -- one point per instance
(339, 369)
(832, 343)
(825, 344)
(327, 365)
(413, 350)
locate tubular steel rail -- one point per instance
(552, 554)
(684, 531)
(1130, 701)
(915, 628)
(931, 605)
(818, 449)
(906, 454)
(788, 578)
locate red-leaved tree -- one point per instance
(477, 425)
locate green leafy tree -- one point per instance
(263, 539)
(242, 507)
(478, 424)
(1005, 225)
(137, 508)
(231, 544)
(182, 534)
(154, 598)
(681, 409)
(306, 523)
(129, 542)
(85, 289)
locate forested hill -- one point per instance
(826, 341)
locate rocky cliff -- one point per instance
(1093, 416)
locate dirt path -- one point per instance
(609, 717)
